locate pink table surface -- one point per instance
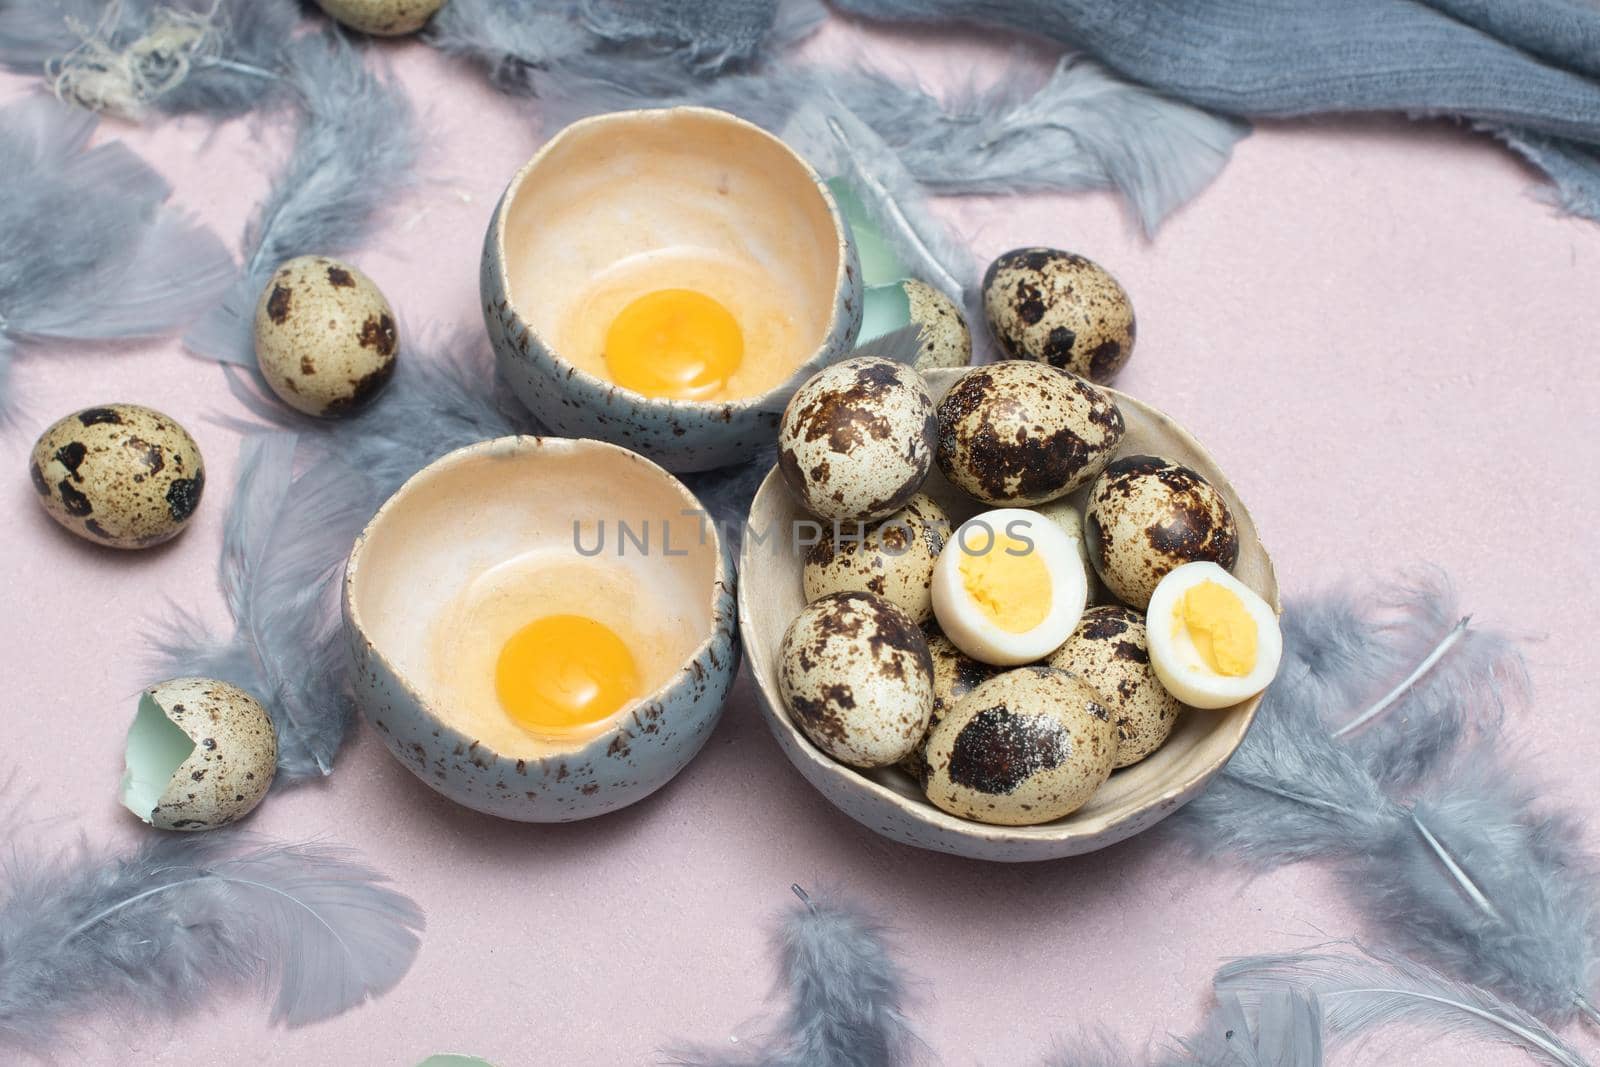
(1383, 337)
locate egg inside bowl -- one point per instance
(657, 278)
(888, 800)
(543, 627)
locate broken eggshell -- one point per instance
(201, 754)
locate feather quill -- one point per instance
(89, 249)
(1357, 993)
(354, 148)
(845, 997)
(187, 916)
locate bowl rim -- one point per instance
(516, 446)
(842, 277)
(1037, 836)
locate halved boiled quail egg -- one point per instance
(1213, 641)
(1009, 587)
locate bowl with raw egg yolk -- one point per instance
(543, 628)
(663, 280)
(888, 800)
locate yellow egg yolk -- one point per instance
(1222, 630)
(564, 671)
(1009, 582)
(674, 343)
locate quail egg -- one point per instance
(1213, 641)
(955, 674)
(1028, 746)
(119, 475)
(382, 18)
(1065, 514)
(893, 557)
(1061, 309)
(1009, 587)
(1019, 433)
(1147, 515)
(946, 341)
(201, 754)
(325, 336)
(1109, 651)
(857, 439)
(856, 674)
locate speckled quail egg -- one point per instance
(1109, 651)
(325, 336)
(1147, 515)
(1065, 514)
(382, 18)
(955, 674)
(855, 673)
(1028, 746)
(119, 475)
(856, 441)
(946, 341)
(1213, 641)
(892, 557)
(1061, 309)
(1018, 433)
(1009, 587)
(201, 754)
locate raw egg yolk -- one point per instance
(1009, 582)
(1222, 630)
(564, 671)
(674, 343)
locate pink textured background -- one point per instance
(1386, 341)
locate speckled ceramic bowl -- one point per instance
(889, 801)
(613, 194)
(474, 532)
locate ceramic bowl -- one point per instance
(888, 800)
(608, 201)
(475, 531)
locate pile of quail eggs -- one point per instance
(1003, 716)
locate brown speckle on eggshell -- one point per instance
(855, 674)
(325, 336)
(856, 441)
(1147, 515)
(1059, 308)
(382, 18)
(120, 475)
(1028, 746)
(234, 759)
(955, 674)
(1018, 433)
(1110, 652)
(892, 557)
(945, 339)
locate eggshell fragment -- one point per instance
(856, 675)
(1147, 516)
(1019, 433)
(1109, 650)
(1028, 746)
(201, 754)
(946, 341)
(1059, 308)
(857, 439)
(120, 475)
(325, 336)
(892, 557)
(382, 18)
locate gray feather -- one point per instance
(1358, 993)
(88, 249)
(845, 997)
(1278, 1030)
(188, 917)
(354, 149)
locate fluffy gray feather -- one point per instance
(1282, 1029)
(188, 917)
(89, 251)
(845, 997)
(354, 149)
(1358, 992)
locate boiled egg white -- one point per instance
(1009, 587)
(1213, 641)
